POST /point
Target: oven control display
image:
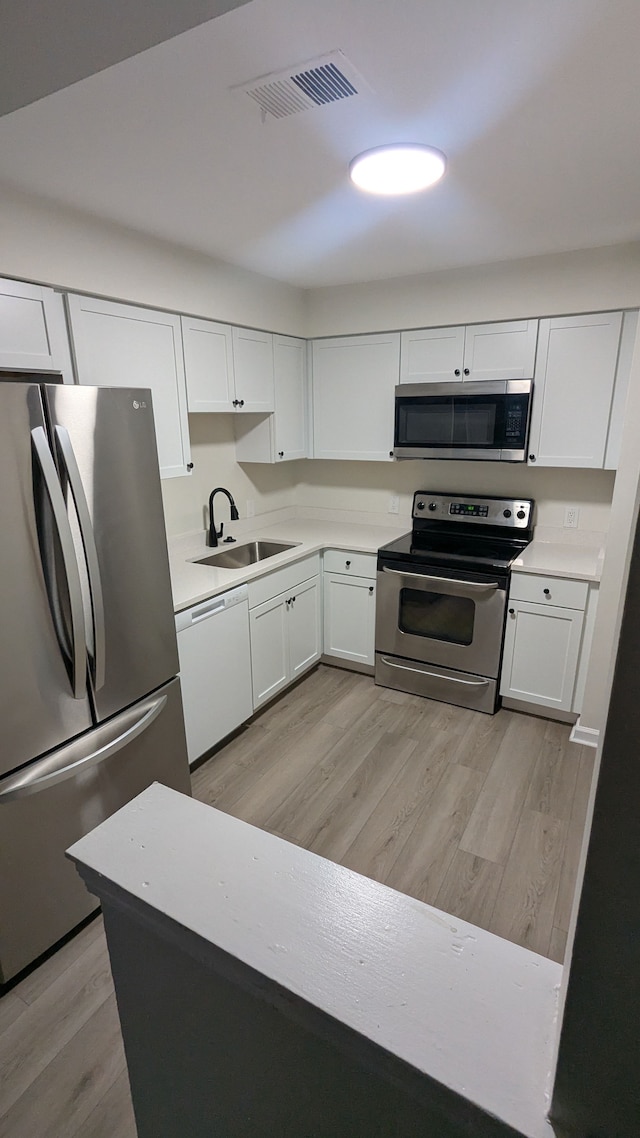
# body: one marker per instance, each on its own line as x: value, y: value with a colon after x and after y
x: 469, y: 510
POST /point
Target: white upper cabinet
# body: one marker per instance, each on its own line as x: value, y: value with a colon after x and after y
x: 621, y: 389
x: 227, y: 369
x: 282, y: 436
x: 253, y: 369
x: 208, y: 364
x: 33, y: 330
x: 573, y: 389
x: 119, y: 345
x: 431, y: 355
x: 478, y: 352
x: 353, y: 396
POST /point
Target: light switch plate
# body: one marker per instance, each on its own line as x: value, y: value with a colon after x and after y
x: 394, y: 504
x: 250, y: 508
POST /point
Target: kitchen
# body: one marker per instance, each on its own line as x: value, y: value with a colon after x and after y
x: 58, y: 246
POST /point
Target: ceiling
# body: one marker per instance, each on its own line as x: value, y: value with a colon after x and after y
x: 535, y: 103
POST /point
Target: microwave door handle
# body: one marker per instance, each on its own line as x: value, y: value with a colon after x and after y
x: 468, y: 586
x: 72, y: 573
x: 65, y: 448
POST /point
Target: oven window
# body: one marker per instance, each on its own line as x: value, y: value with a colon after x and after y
x: 436, y: 616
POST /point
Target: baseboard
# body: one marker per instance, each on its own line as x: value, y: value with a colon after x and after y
x: 588, y: 736
x: 348, y: 665
x: 539, y: 710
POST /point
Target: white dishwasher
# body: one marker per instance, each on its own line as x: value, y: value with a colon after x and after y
x: 215, y: 668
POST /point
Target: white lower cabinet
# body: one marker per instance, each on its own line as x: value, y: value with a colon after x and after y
x: 285, y: 629
x: 544, y: 644
x: 350, y: 606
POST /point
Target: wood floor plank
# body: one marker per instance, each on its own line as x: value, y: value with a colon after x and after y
x: 470, y: 889
x: 282, y: 770
x: 376, y: 847
x: 214, y: 775
x: 113, y: 1117
x: 494, y: 819
x: 303, y: 811
x: 307, y: 702
x: 553, y: 782
x: 425, y: 857
x: 575, y: 835
x: 346, y: 817
x: 11, y: 1008
x: 66, y: 1092
x: 481, y: 740
x: 525, y: 906
x: 31, y: 1043
x: 347, y: 708
x: 36, y: 983
x: 557, y: 945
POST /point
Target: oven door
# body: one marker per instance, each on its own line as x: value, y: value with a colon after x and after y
x: 447, y: 620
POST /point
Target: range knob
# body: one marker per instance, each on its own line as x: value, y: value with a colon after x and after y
x: 506, y: 513
x: 521, y: 514
x: 433, y: 505
x: 419, y: 505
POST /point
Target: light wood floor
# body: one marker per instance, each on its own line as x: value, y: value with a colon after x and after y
x: 481, y: 816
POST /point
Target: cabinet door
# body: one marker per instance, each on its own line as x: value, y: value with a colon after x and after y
x: 208, y: 363
x: 541, y: 654
x: 354, y: 379
x: 500, y: 351
x: 33, y: 333
x: 269, y: 649
x: 304, y: 627
x: 290, y: 419
x: 573, y: 389
x: 431, y: 355
x: 349, y: 617
x: 253, y: 368
x: 118, y: 345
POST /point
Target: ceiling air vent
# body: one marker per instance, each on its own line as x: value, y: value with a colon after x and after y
x: 312, y: 84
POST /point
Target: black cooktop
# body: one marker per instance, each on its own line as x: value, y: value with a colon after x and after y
x: 455, y: 551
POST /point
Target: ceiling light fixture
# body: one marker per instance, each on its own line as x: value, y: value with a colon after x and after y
x: 402, y: 168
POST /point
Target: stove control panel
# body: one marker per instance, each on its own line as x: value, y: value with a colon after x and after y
x: 511, y: 513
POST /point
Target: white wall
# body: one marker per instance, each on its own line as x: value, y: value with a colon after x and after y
x: 368, y: 486
x: 40, y: 241
x: 585, y: 281
x: 214, y: 464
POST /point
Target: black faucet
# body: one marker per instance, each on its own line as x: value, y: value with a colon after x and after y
x: 214, y: 534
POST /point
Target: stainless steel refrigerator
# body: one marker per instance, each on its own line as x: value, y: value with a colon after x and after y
x: 90, y: 706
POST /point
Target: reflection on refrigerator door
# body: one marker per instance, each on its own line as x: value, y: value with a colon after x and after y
x: 48, y: 805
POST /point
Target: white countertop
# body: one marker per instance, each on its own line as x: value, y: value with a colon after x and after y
x: 556, y: 559
x: 192, y: 583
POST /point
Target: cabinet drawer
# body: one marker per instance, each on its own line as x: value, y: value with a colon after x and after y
x: 355, y: 564
x: 558, y: 591
x: 280, y: 581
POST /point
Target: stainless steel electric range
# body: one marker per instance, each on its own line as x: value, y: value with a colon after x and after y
x: 442, y: 595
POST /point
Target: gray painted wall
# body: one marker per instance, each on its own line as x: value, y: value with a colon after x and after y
x: 597, y: 1090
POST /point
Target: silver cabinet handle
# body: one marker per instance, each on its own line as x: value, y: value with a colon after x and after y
x: 435, y: 675
x: 90, y: 551
x: 57, y: 767
x: 72, y: 573
x: 468, y: 586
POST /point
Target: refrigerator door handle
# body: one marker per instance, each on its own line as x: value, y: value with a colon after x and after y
x: 59, y: 510
x: 56, y: 767
x: 90, y: 551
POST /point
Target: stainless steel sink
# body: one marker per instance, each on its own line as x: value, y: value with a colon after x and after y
x: 239, y: 556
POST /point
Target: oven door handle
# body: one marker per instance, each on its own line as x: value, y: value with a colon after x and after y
x: 435, y: 675
x: 467, y: 586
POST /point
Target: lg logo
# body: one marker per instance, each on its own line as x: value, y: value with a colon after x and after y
x: 137, y: 404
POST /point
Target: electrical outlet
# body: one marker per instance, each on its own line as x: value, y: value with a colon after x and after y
x: 394, y: 504
x: 250, y: 508
x: 571, y: 517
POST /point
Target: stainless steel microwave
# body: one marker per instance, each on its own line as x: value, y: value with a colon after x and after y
x: 480, y: 421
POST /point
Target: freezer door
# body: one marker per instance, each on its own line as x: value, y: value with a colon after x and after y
x: 49, y: 804
x: 43, y: 693
x: 106, y: 451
